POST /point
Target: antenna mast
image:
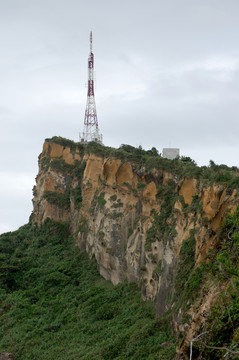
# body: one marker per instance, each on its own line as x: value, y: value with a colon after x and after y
x: 91, y: 128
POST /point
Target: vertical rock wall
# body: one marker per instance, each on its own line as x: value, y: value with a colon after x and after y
x: 118, y: 214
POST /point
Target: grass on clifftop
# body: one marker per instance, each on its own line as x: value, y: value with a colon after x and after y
x: 151, y: 159
x: 54, y: 304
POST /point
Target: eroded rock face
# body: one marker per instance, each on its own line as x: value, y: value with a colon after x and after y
x: 114, y: 221
x: 116, y: 209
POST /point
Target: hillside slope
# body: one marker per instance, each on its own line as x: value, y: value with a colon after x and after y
x: 146, y: 219
x: 167, y: 226
x: 55, y: 305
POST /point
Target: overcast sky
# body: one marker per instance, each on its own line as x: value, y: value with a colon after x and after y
x: 167, y: 75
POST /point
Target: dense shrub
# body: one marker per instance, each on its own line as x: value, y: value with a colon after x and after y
x: 160, y: 229
x: 151, y: 159
x: 54, y: 304
x: 186, y: 262
x: 62, y: 200
x: 223, y: 323
x: 101, y: 201
x: 63, y: 141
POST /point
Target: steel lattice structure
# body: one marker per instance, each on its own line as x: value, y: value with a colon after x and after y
x: 91, y: 127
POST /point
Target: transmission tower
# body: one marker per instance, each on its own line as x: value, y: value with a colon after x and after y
x: 91, y: 128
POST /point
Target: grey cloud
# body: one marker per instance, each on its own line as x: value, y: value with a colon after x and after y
x: 166, y: 71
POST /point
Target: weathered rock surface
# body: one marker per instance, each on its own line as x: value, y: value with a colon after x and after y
x: 117, y: 206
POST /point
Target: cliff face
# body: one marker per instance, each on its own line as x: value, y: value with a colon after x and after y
x: 134, y: 221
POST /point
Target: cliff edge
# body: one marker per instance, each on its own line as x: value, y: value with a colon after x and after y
x: 146, y: 219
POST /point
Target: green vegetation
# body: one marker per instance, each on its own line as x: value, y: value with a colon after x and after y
x: 78, y: 171
x: 117, y: 204
x: 124, y: 153
x: 150, y: 159
x: 223, y: 323
x: 101, y: 201
x: 185, y: 266
x: 101, y: 235
x: 130, y: 231
x: 60, y: 199
x: 195, y: 207
x: 141, y: 186
x: 116, y: 215
x: 221, y: 268
x: 45, y: 163
x: 73, y: 170
x: 127, y: 185
x: 59, y: 164
x: 166, y: 191
x: 54, y: 304
x: 83, y: 225
x: 93, y: 203
x: 76, y: 193
x: 160, y: 228
x: 158, y: 268
x: 66, y: 143
x: 113, y: 197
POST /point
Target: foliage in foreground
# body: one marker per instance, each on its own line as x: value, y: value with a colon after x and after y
x: 219, y: 337
x: 54, y: 304
x: 222, y: 338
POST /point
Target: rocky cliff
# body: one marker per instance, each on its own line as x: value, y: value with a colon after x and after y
x: 146, y: 220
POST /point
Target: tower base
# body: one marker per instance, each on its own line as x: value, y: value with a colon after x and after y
x: 91, y: 134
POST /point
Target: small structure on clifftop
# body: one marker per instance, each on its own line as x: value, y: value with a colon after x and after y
x: 170, y: 153
x: 91, y: 128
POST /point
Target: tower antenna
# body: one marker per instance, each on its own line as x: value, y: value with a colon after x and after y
x: 91, y: 127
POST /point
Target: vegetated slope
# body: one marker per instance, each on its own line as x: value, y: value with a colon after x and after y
x: 163, y: 224
x: 155, y: 222
x: 55, y: 305
x: 217, y: 280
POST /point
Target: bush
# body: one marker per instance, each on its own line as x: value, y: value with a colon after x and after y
x: 113, y: 197
x: 61, y: 308
x: 83, y: 226
x: 79, y: 167
x: 62, y: 141
x: 101, y: 200
x: 76, y: 193
x: 45, y: 163
x: 61, y: 200
x: 186, y: 262
x: 160, y: 229
x: 60, y: 165
x: 141, y: 186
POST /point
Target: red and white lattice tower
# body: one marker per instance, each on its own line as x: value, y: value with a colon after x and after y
x: 91, y: 127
